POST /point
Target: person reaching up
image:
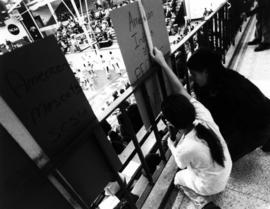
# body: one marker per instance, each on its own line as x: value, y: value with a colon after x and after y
x: 201, y: 154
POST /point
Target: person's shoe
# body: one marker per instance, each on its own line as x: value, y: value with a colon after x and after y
x: 253, y: 42
x: 211, y: 205
x: 262, y: 46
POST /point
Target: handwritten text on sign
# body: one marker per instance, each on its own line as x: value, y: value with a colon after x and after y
x: 43, y: 92
x: 127, y: 23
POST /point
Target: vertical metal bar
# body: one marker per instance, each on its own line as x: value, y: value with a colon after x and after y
x: 137, y: 147
x: 100, y: 134
x: 225, y: 20
x: 218, y: 31
x: 52, y: 12
x: 123, y: 185
x: 215, y: 28
x: 152, y: 120
x: 31, y: 16
x: 221, y: 28
x: 173, y: 63
x: 192, y: 45
x: 230, y: 25
x: 27, y: 31
x: 211, y: 29
x: 184, y: 54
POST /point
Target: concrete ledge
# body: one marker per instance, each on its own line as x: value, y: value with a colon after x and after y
x: 162, y: 186
x: 232, y: 53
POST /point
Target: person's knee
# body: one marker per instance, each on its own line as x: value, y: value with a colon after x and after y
x: 178, y: 179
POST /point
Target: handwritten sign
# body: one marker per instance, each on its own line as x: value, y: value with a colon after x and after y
x: 127, y: 23
x: 39, y: 86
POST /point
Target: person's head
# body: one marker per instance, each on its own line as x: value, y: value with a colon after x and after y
x: 204, y: 65
x: 120, y: 119
x: 114, y: 136
x: 115, y: 95
x: 178, y: 111
x: 122, y: 91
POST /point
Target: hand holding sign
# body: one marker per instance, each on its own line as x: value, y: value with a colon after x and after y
x: 158, y: 56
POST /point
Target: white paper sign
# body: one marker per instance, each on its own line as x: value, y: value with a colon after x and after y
x: 127, y: 23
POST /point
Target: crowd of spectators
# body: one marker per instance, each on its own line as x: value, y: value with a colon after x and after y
x: 99, y: 25
x: 70, y: 35
x: 67, y: 35
x: 174, y: 15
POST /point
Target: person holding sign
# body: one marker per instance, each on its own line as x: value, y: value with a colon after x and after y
x: 201, y: 154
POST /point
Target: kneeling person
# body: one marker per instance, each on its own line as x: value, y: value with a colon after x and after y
x: 201, y: 153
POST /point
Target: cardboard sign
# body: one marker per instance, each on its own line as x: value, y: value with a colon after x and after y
x: 39, y: 86
x: 127, y: 23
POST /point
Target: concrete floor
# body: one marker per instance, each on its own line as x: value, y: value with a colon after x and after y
x: 249, y: 185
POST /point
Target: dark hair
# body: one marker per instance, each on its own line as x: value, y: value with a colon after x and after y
x: 122, y: 91
x: 213, y: 143
x: 205, y: 58
x: 114, y: 136
x: 121, y: 119
x: 178, y: 110
x: 115, y: 95
x: 105, y: 126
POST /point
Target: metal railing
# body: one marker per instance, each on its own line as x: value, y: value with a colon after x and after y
x: 217, y: 31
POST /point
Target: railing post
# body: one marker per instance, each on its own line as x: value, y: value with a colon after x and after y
x: 99, y: 133
x: 191, y: 43
x: 137, y: 147
x: 152, y: 120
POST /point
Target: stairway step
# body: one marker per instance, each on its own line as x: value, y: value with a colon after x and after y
x: 159, y: 192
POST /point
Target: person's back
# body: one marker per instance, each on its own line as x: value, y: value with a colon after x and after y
x: 210, y: 177
x: 235, y: 102
x: 238, y: 107
x: 203, y: 174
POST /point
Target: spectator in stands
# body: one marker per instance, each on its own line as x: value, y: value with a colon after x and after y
x: 124, y: 128
x: 114, y: 63
x: 124, y: 105
x: 116, y: 141
x: 202, y: 152
x: 115, y: 95
x: 262, y: 33
x: 105, y: 126
x: 135, y: 117
x: 121, y: 91
x: 105, y: 67
x: 127, y: 85
x: 152, y: 160
x: 238, y: 107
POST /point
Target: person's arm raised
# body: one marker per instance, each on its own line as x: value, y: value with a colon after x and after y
x: 176, y: 85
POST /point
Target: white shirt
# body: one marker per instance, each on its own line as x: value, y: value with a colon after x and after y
x: 202, y: 174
